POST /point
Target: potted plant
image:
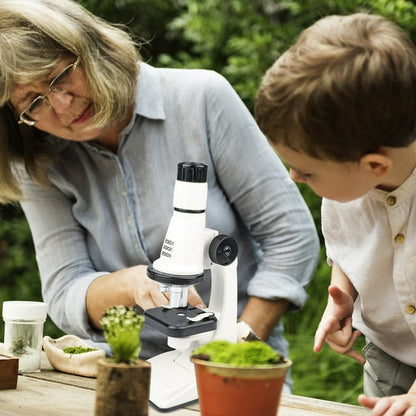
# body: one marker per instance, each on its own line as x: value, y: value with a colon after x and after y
x: 123, y: 380
x: 241, y: 379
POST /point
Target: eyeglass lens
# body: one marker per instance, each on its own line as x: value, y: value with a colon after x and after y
x: 38, y: 107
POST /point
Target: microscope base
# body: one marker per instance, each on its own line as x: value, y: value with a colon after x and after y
x: 173, y: 382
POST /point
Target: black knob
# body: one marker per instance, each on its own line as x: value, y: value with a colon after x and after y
x: 223, y: 250
x: 192, y: 172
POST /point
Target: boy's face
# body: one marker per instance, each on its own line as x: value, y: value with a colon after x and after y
x: 340, y: 181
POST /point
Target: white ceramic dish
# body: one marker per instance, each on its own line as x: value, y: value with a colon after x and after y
x: 84, y: 364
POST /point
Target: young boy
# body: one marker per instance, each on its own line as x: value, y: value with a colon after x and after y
x: 340, y: 108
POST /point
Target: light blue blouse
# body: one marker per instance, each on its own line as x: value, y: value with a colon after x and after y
x: 109, y: 211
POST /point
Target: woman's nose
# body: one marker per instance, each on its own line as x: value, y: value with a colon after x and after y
x: 60, y: 101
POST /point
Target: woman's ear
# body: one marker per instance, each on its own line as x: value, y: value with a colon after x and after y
x: 377, y: 164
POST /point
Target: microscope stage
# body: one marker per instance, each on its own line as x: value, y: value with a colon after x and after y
x: 180, y: 322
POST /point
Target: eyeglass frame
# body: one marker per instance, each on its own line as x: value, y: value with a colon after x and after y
x: 23, y: 119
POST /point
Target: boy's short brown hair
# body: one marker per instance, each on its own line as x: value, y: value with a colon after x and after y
x: 344, y: 89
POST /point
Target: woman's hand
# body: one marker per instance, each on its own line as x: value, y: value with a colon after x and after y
x: 147, y: 292
x: 129, y: 287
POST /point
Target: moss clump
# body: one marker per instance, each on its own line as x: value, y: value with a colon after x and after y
x: 245, y: 354
x: 78, y: 350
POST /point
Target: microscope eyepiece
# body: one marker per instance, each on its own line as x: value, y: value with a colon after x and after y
x: 192, y: 172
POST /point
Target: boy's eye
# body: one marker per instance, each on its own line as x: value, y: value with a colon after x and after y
x: 297, y: 175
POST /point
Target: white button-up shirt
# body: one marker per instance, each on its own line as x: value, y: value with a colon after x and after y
x: 373, y: 240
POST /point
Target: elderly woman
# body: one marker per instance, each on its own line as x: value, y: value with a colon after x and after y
x: 90, y: 142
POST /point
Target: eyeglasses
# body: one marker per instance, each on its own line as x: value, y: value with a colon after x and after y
x: 39, y: 107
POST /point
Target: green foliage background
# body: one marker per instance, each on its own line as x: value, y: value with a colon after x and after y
x: 240, y: 39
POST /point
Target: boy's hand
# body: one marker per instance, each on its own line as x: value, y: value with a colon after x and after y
x: 402, y: 405
x: 336, y: 325
x: 340, y: 338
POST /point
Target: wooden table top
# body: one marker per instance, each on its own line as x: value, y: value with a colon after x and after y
x: 53, y: 393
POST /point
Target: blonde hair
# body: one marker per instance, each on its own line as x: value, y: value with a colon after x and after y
x: 34, y: 36
x: 344, y: 89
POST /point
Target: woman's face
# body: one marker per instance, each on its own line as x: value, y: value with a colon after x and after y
x: 68, y: 110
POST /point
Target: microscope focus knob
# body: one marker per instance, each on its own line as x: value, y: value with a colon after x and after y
x: 223, y: 250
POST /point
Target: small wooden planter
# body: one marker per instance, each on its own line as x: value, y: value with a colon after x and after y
x: 9, y: 368
x: 122, y: 389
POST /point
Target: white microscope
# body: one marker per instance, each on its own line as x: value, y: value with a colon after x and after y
x: 188, y: 249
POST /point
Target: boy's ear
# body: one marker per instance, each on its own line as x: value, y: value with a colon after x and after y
x: 376, y: 163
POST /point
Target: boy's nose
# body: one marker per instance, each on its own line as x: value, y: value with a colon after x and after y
x: 295, y: 176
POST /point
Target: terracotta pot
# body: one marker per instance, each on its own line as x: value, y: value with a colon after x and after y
x: 122, y: 389
x: 225, y: 390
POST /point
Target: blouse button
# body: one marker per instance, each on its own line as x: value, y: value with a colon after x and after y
x: 399, y: 238
x: 391, y: 200
x: 410, y: 309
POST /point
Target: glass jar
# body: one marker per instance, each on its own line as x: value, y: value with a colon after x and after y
x: 23, y: 332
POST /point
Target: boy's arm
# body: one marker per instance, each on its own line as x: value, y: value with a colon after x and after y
x: 341, y: 280
x: 404, y: 404
x: 335, y: 327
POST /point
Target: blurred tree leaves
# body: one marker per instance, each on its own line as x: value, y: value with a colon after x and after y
x: 19, y: 276
x: 18, y: 270
x: 240, y: 39
x: 146, y: 20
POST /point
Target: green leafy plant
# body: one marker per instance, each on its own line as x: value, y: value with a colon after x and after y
x: 78, y: 350
x: 122, y: 327
x: 244, y: 354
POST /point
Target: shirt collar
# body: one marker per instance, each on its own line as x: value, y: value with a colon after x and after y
x: 149, y: 98
x: 406, y: 191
